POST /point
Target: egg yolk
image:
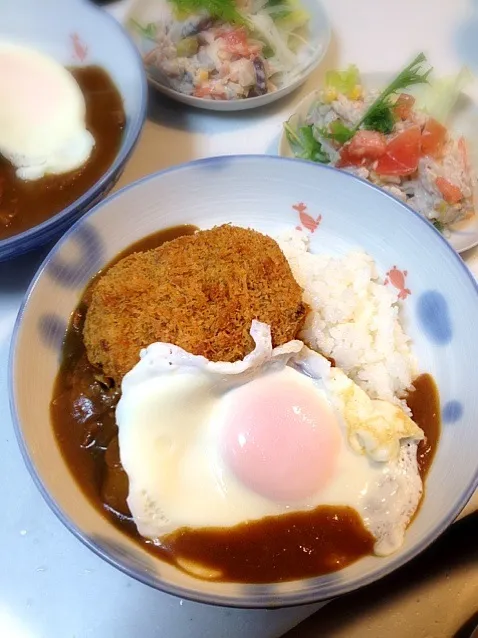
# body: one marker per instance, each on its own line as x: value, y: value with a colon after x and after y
x: 281, y: 438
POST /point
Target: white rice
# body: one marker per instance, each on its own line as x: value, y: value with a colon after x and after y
x: 354, y: 318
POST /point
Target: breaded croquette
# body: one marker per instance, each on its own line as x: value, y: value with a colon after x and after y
x: 200, y: 292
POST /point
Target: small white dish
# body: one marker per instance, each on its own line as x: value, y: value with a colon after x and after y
x: 145, y: 11
x: 463, y: 235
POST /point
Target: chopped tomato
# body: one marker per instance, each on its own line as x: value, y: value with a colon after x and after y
x: 367, y: 144
x: 235, y: 37
x: 364, y: 145
x: 346, y: 159
x: 403, y: 106
x: 402, y: 153
x: 433, y: 138
x: 214, y: 92
x: 236, y: 43
x: 451, y: 193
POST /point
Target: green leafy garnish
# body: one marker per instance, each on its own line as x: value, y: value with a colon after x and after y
x: 337, y: 132
x: 379, y: 116
x: 304, y: 145
x: 381, y: 119
x: 438, y: 225
x: 224, y: 10
x: 343, y: 81
x: 147, y: 31
x: 380, y: 111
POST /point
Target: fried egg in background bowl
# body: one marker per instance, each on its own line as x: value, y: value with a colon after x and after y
x: 441, y: 298
x: 43, y: 119
x: 72, y: 34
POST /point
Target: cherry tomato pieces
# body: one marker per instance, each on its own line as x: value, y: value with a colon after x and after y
x: 433, y: 138
x: 235, y: 43
x: 367, y: 144
x: 235, y: 37
x: 451, y: 193
x: 403, y: 106
x: 209, y: 90
x: 402, y: 153
x: 346, y: 159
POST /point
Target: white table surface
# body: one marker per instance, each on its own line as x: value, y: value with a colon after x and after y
x: 50, y: 584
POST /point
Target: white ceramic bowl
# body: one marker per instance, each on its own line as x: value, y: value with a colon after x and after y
x: 464, y: 121
x: 144, y: 12
x: 261, y: 192
x: 77, y: 33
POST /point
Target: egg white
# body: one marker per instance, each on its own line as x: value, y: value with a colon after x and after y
x: 42, y: 114
x: 170, y: 416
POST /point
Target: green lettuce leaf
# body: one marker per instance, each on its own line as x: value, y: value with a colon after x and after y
x: 343, y: 81
x: 303, y: 143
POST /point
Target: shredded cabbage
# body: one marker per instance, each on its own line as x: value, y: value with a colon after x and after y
x: 277, y: 24
x: 264, y: 26
x: 295, y: 18
x: 439, y: 97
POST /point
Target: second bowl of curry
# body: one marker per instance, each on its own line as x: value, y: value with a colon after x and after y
x: 108, y: 71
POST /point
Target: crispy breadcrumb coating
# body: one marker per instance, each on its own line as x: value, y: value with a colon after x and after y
x: 200, y: 292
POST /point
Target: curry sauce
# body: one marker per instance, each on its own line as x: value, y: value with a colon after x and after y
x: 424, y: 404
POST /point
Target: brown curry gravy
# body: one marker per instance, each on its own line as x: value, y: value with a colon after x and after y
x: 24, y: 204
x: 273, y: 549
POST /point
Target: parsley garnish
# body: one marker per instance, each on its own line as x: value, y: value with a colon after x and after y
x: 304, y: 145
x: 224, y: 10
x: 380, y: 111
x: 438, y: 225
x: 381, y: 119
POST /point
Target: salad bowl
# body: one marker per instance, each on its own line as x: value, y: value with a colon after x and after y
x: 309, y: 46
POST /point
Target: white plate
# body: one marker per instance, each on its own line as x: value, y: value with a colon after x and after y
x: 463, y: 235
x: 145, y: 11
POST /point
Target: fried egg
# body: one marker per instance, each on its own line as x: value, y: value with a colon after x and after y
x: 42, y: 114
x: 208, y: 444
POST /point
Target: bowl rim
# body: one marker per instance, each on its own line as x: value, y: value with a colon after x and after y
x: 130, y: 140
x: 269, y: 600
x: 257, y: 101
